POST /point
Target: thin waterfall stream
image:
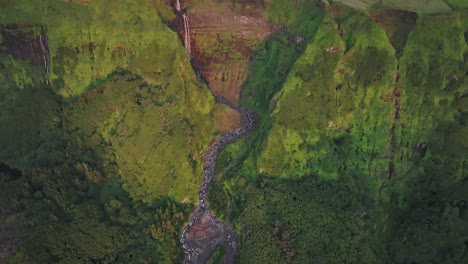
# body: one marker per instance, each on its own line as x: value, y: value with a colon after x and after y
x: 204, y: 232
x: 187, y: 34
x: 183, y: 17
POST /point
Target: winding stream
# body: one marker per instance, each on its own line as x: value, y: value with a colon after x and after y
x: 204, y: 233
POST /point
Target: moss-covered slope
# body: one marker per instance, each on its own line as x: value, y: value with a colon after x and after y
x: 105, y: 121
x: 369, y: 122
x: 157, y: 122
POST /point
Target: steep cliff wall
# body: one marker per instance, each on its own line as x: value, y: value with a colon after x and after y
x: 101, y: 111
x: 363, y: 122
x: 224, y: 38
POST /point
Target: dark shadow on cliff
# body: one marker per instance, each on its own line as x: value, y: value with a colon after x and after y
x: 268, y: 70
x: 62, y: 198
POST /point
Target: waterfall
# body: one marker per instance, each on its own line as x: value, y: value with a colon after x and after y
x: 186, y: 26
x: 43, y: 42
x: 187, y: 34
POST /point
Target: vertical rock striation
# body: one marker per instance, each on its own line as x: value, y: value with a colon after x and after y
x: 221, y: 38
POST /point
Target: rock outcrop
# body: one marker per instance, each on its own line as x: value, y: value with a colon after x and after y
x: 224, y: 36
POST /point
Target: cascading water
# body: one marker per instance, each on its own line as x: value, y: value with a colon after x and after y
x: 185, y: 20
x: 204, y: 232
x: 187, y: 34
x: 43, y: 41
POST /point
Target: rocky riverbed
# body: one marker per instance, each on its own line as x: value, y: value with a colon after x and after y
x: 205, y: 232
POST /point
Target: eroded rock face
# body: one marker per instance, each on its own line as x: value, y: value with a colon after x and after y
x: 397, y: 24
x: 26, y: 45
x: 224, y: 36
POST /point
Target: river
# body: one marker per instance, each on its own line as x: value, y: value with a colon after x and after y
x: 204, y: 232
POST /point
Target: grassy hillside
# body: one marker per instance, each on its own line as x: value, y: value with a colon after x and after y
x: 163, y: 104
x: 359, y: 155
x: 365, y: 124
x: 107, y: 136
x: 329, y: 93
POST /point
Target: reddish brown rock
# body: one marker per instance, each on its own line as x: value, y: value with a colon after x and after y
x: 397, y: 24
x: 22, y: 43
x: 223, y: 38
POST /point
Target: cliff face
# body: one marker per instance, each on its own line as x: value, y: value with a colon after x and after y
x: 363, y: 114
x: 25, y: 45
x: 224, y: 36
x: 107, y: 46
x: 376, y: 101
x: 99, y: 110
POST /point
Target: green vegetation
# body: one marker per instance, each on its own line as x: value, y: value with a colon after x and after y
x: 67, y: 202
x: 330, y: 93
x: 397, y: 25
x: 72, y: 220
x: 108, y: 138
x: 269, y: 68
x: 216, y: 257
x: 420, y: 6
x: 359, y: 156
x: 144, y: 134
x: 432, y: 139
x: 296, y: 221
x: 88, y: 41
x: 144, y: 120
x: 458, y: 3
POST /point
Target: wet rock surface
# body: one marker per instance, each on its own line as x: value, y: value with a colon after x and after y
x: 204, y: 232
x: 219, y: 41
